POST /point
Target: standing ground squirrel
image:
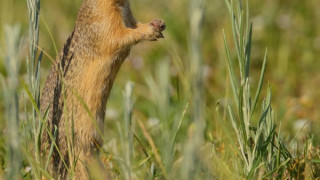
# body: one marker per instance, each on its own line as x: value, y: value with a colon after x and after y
x: 84, y: 72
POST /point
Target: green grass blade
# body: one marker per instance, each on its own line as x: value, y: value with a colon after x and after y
x: 260, y: 83
x: 231, y: 71
x: 51, y: 149
x: 241, y: 117
x: 237, y: 45
x: 248, y: 52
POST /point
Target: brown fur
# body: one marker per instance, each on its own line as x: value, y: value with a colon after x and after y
x: 86, y: 67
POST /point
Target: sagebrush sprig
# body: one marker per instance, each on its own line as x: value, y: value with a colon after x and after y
x: 259, y: 144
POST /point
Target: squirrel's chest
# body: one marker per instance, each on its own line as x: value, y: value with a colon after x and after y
x: 97, y: 80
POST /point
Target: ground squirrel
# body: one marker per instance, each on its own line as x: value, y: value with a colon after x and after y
x: 84, y: 72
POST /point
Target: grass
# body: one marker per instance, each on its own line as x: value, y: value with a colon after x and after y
x: 200, y: 104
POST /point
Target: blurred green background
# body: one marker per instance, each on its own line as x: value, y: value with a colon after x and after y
x: 289, y: 29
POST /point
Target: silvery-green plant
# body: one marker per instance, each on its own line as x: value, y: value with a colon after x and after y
x: 127, y: 142
x: 259, y: 144
x: 10, y: 87
x: 169, y: 121
x: 33, y: 60
x: 33, y: 71
x: 191, y: 167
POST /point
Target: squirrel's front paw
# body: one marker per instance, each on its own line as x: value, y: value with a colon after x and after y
x: 158, y: 24
x: 157, y: 27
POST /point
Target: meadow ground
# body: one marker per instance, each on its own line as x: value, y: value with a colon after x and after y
x: 187, y: 120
